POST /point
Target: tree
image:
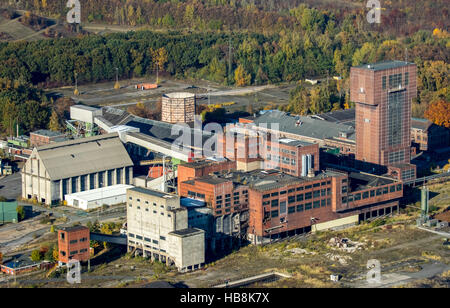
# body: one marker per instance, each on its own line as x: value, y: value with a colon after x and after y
x: 55, y: 254
x: 21, y: 212
x: 241, y: 77
x: 439, y: 113
x: 54, y: 122
x: 36, y: 255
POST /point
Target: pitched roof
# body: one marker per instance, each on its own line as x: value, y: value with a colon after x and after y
x: 83, y: 156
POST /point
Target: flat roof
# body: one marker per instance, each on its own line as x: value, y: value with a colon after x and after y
x: 152, y: 192
x: 294, y: 143
x: 306, y: 126
x: 101, y: 193
x: 192, y: 203
x: 385, y: 65
x: 187, y: 232
x: 47, y: 133
x: 74, y: 228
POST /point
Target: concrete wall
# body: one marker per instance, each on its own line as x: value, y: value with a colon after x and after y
x: 188, y: 252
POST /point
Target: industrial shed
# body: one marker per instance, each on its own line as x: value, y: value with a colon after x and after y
x: 55, y: 170
x: 91, y: 199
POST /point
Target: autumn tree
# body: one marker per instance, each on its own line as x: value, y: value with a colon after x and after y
x: 439, y: 113
x: 241, y: 77
x: 54, y: 122
x: 160, y: 57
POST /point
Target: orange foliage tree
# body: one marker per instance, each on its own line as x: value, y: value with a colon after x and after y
x: 439, y: 113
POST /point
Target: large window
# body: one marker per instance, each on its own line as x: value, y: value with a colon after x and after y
x: 396, y: 102
x: 395, y: 80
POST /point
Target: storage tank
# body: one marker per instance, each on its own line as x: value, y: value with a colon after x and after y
x: 178, y: 107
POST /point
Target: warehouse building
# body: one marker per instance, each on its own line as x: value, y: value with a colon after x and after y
x: 63, y: 168
x: 95, y: 198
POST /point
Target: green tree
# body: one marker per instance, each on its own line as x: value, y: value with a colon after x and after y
x: 36, y: 255
x: 21, y: 212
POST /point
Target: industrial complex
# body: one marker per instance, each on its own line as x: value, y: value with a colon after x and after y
x: 273, y: 175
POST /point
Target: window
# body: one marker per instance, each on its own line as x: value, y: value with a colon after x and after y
x: 291, y: 210
x: 308, y: 196
x: 379, y: 192
x: 274, y: 194
x: 291, y: 199
x: 308, y: 206
x: 406, y: 78
x: 323, y: 203
x: 274, y: 214
x: 266, y: 196
x: 300, y: 208
x: 283, y: 192
x: 162, y: 238
x: 399, y: 187
x: 299, y: 188
x: 274, y: 202
x: 365, y: 195
x: 392, y: 189
x: 344, y: 189
x: 316, y: 194
x: 385, y: 190
x: 300, y: 197
x: 138, y: 237
x: 384, y: 82
x: 283, y: 207
x: 316, y: 204
x: 73, y: 241
x: 372, y: 193
x: 357, y: 197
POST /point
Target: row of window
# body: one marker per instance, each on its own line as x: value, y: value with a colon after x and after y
x: 372, y: 193
x: 302, y: 207
x: 148, y: 210
x: 72, y: 253
x: 146, y: 239
x: 292, y: 190
x: 82, y: 240
x: 395, y: 80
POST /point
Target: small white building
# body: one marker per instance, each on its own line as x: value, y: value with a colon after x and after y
x: 91, y: 199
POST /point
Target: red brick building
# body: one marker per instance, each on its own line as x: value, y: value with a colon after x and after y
x: 252, y: 150
x: 383, y: 93
x: 73, y: 244
x: 282, y: 205
x: 44, y: 136
x: 201, y: 168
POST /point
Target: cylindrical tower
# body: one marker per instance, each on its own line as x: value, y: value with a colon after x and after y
x: 178, y: 107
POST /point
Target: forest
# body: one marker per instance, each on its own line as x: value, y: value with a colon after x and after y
x: 303, y: 42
